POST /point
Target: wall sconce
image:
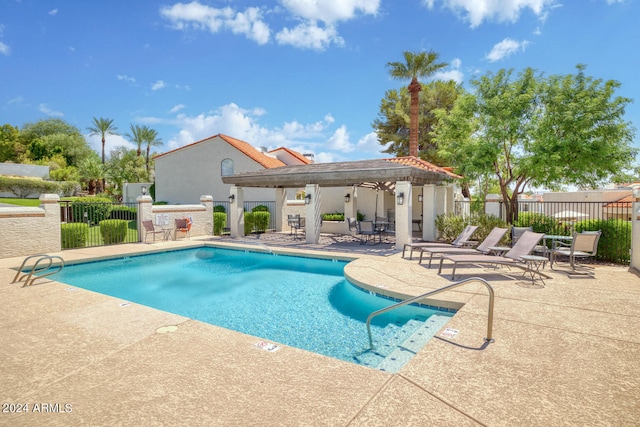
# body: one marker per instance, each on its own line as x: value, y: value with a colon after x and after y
x: 232, y: 198
x: 420, y: 198
x: 400, y: 198
x: 307, y: 199
x: 144, y: 190
x: 347, y: 198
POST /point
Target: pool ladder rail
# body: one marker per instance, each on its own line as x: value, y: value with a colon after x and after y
x: 488, y: 339
x: 42, y: 263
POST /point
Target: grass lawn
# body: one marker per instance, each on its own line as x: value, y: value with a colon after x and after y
x: 20, y: 202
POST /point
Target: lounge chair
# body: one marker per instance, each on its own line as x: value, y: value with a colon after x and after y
x: 484, y: 248
x: 149, y: 228
x: 583, y: 245
x: 183, y: 225
x: 461, y: 241
x: 523, y: 247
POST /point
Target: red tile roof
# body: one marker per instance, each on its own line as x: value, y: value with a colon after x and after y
x: 423, y: 164
x: 303, y: 159
x: 249, y: 150
x: 625, y: 202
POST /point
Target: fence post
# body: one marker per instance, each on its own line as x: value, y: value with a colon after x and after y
x: 144, y: 213
x: 207, y: 201
x: 635, y: 231
x: 50, y: 203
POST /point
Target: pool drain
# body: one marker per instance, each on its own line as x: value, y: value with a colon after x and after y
x: 166, y: 329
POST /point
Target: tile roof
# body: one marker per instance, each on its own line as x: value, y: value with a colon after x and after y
x: 625, y: 202
x: 247, y: 149
x: 423, y: 164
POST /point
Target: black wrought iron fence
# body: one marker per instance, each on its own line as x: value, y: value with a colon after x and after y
x: 87, y: 224
x: 565, y: 218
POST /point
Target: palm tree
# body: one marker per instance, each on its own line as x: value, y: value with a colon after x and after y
x: 102, y: 127
x: 152, y: 140
x: 137, y: 136
x: 416, y: 65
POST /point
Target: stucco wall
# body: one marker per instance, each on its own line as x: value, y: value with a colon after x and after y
x: 28, y: 230
x: 182, y: 176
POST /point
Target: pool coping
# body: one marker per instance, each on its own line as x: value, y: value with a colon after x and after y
x: 545, y: 349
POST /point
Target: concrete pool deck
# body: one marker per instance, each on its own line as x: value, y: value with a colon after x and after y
x: 566, y: 353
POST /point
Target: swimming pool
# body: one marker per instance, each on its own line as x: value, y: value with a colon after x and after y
x: 297, y: 301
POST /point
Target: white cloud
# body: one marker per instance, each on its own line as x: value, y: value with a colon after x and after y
x: 330, y: 11
x: 478, y: 11
x: 505, y: 48
x: 53, y: 12
x: 126, y: 78
x: 158, y: 85
x: 44, y: 108
x: 197, y: 16
x: 309, y: 36
x: 177, y: 108
x: 4, y: 49
x: 452, y: 73
x: 339, y: 141
x: 369, y: 144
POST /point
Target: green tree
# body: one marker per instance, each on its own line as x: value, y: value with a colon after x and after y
x: 392, y: 124
x: 103, y: 127
x: 137, y: 136
x: 57, y: 136
x: 532, y: 130
x: 415, y: 65
x: 11, y: 148
x: 91, y: 171
x: 125, y: 166
x: 152, y: 140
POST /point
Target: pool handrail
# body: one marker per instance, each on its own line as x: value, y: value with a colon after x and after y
x: 488, y: 338
x: 37, y: 268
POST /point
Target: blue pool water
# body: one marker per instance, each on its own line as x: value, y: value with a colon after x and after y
x: 300, y: 302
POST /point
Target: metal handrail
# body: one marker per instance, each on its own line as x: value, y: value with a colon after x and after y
x: 37, y: 268
x: 437, y: 291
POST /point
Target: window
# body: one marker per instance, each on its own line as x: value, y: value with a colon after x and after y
x: 227, y: 167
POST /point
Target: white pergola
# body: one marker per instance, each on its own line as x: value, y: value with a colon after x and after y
x: 437, y: 191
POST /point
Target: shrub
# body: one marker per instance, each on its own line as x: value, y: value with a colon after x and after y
x: 261, y: 221
x: 74, y: 235
x: 541, y: 223
x: 248, y: 222
x: 123, y: 212
x: 615, y: 242
x: 219, y: 222
x: 449, y: 226
x: 260, y: 208
x: 23, y: 187
x: 113, y: 230
x: 97, y: 209
x: 333, y: 217
x: 219, y: 208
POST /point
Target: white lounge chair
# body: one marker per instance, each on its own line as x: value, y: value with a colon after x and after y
x: 461, y: 241
x: 484, y: 248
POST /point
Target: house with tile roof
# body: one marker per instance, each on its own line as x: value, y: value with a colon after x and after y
x: 188, y: 172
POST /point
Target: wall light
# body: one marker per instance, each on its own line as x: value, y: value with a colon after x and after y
x: 400, y: 198
x: 307, y: 199
x: 232, y: 198
x: 144, y: 190
x: 420, y: 198
x: 347, y: 198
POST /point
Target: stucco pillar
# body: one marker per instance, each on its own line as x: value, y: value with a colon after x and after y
x: 635, y: 231
x: 403, y: 214
x: 449, y: 205
x: 350, y: 207
x: 429, y: 212
x: 145, y: 213
x: 236, y: 210
x: 312, y: 213
x: 50, y: 203
x: 281, y: 203
x: 207, y: 201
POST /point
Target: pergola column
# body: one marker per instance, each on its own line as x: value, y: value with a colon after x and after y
x: 403, y: 213
x: 312, y: 212
x: 429, y: 212
x: 281, y: 202
x: 236, y: 210
x: 351, y: 207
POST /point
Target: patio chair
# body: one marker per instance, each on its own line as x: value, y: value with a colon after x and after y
x: 368, y: 231
x: 516, y: 232
x: 484, y: 248
x: 513, y: 257
x: 583, y: 245
x: 149, y: 228
x: 183, y: 225
x: 461, y: 241
x: 295, y: 223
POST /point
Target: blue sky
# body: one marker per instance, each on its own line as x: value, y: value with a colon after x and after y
x: 304, y: 74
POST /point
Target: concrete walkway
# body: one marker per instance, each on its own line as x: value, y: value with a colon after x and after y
x: 564, y: 354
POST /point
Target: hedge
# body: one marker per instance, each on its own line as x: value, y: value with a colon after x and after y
x: 97, y: 209
x: 74, y: 235
x: 219, y: 222
x: 261, y: 220
x: 449, y: 226
x: 113, y: 230
x: 23, y: 187
x: 123, y: 212
x: 248, y: 222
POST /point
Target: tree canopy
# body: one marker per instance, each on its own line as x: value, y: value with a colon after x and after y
x: 534, y: 130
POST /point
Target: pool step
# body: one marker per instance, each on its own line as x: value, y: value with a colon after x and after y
x: 395, y: 345
x: 403, y: 352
